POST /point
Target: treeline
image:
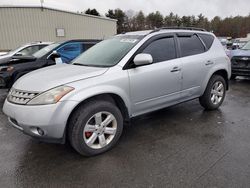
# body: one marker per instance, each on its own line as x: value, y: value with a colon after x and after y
x: 234, y: 27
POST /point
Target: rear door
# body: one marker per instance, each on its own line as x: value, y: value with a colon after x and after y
x: 195, y: 64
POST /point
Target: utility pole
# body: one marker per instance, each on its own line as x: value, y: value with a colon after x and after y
x: 42, y: 1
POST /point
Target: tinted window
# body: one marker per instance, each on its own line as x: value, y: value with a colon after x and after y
x: 190, y: 45
x: 161, y: 50
x: 207, y: 39
x: 70, y: 51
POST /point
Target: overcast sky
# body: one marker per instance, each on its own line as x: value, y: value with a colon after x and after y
x: 209, y: 8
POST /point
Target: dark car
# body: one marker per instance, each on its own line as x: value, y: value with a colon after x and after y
x: 240, y: 61
x: 60, y: 52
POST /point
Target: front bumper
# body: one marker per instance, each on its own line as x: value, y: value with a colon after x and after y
x: 241, y: 71
x: 50, y: 120
x: 240, y: 65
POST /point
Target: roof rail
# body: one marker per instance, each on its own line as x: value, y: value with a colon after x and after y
x: 181, y: 28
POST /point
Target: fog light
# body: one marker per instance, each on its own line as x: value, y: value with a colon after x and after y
x: 40, y: 131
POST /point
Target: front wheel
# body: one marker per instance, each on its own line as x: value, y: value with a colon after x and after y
x: 95, y: 127
x: 214, y: 94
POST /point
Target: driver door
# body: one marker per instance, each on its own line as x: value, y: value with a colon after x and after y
x: 156, y: 85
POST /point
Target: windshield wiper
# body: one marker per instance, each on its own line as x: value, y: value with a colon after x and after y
x: 78, y: 64
x: 89, y: 65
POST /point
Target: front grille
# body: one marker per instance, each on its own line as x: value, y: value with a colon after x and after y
x: 241, y: 61
x: 21, y: 97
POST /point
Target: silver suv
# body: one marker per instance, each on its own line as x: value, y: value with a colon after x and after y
x: 88, y: 101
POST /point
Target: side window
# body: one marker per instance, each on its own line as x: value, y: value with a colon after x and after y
x: 190, y: 45
x: 161, y: 49
x: 207, y: 39
x: 28, y: 51
x: 69, y: 52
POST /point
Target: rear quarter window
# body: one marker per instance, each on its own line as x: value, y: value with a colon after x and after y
x: 207, y: 39
x: 190, y: 45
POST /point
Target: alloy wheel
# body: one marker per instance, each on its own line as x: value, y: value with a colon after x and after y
x: 100, y: 130
x: 217, y: 92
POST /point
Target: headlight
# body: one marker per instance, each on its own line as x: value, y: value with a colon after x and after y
x: 51, y: 96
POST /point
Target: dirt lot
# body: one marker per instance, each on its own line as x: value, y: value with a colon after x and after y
x: 181, y: 146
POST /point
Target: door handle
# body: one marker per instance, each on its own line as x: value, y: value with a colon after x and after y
x: 176, y: 69
x: 209, y: 63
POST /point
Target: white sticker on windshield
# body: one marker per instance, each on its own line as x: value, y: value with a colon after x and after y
x: 129, y: 40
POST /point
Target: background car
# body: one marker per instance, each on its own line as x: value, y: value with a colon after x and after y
x: 240, y: 61
x: 24, y: 50
x: 3, y: 52
x: 237, y: 44
x: 60, y: 52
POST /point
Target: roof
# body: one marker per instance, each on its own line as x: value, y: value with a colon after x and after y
x: 81, y: 40
x: 144, y: 32
x: 59, y: 10
x: 38, y: 42
x: 165, y: 30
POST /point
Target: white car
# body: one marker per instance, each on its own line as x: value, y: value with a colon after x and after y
x: 89, y: 100
x: 24, y: 50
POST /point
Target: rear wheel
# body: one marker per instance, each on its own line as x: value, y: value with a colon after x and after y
x: 214, y: 94
x: 95, y: 127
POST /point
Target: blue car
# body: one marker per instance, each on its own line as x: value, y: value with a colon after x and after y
x: 240, y: 61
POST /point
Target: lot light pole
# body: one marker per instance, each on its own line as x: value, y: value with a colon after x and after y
x: 42, y: 1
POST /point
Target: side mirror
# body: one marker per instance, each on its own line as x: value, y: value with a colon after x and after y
x: 143, y: 59
x: 54, y: 55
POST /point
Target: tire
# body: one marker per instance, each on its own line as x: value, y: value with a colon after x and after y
x: 83, y: 127
x: 233, y: 77
x: 213, y: 98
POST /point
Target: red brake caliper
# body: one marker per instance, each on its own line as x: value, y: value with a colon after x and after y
x: 88, y: 134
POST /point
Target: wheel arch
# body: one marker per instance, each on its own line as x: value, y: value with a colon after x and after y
x: 222, y: 72
x: 112, y: 97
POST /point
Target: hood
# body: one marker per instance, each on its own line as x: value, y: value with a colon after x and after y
x: 239, y: 52
x: 11, y: 60
x: 53, y: 76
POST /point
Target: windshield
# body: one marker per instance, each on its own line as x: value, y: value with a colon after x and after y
x: 16, y: 50
x: 45, y: 50
x: 108, y: 52
x: 247, y: 46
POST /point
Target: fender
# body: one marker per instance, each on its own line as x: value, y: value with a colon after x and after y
x: 215, y: 68
x: 87, y: 93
